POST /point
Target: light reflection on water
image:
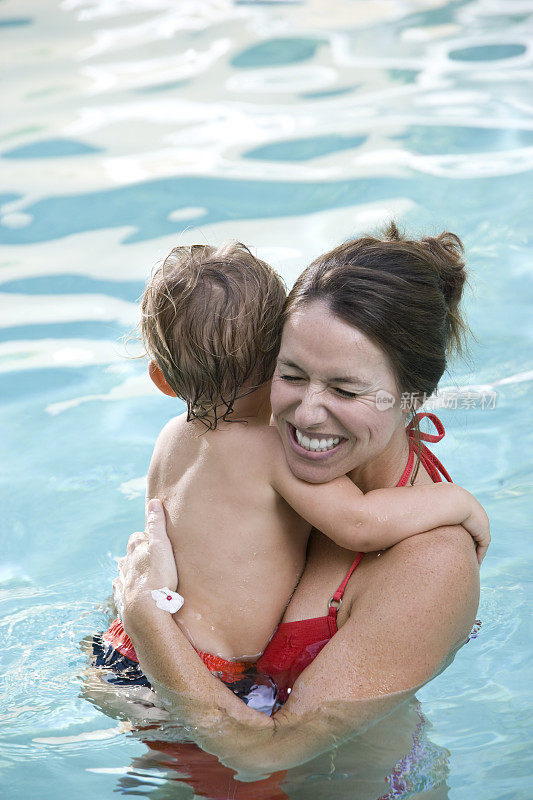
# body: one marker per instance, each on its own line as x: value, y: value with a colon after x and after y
x: 289, y: 126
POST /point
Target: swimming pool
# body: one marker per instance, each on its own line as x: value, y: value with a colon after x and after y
x: 290, y: 126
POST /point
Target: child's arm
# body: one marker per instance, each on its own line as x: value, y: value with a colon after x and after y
x: 382, y: 517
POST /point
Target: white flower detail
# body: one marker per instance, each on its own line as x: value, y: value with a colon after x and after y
x: 167, y: 600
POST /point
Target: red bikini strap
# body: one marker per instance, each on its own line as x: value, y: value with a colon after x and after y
x: 427, y: 437
x: 427, y: 458
x: 408, y: 467
x: 337, y: 597
x: 433, y: 466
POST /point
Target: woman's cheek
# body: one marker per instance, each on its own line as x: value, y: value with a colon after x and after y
x: 367, y: 417
x: 384, y: 424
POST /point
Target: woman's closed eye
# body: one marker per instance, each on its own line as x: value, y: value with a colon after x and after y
x: 336, y: 389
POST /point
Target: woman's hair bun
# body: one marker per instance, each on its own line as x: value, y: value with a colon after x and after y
x: 444, y: 256
x: 446, y: 253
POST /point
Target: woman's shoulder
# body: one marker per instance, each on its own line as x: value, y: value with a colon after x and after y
x: 433, y: 572
x: 441, y: 548
x: 439, y: 558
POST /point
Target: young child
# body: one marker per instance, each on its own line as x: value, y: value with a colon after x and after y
x: 238, y: 519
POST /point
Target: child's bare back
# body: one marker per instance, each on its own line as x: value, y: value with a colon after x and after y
x: 239, y: 546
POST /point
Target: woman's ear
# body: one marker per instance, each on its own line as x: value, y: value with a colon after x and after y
x: 159, y: 379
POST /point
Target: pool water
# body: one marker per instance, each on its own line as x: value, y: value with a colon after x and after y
x: 132, y: 125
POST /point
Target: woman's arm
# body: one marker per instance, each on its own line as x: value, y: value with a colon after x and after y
x: 418, y: 609
x: 382, y: 517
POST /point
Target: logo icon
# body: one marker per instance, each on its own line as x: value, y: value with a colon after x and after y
x: 384, y: 400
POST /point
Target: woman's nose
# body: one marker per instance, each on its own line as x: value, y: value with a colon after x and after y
x: 311, y: 411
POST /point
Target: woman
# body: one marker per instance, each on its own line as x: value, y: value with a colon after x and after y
x: 367, y: 326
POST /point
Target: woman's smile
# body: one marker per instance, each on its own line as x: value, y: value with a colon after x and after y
x: 311, y: 444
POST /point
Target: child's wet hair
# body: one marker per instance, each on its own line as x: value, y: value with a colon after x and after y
x: 212, y: 319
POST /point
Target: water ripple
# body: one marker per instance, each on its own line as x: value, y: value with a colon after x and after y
x: 137, y: 124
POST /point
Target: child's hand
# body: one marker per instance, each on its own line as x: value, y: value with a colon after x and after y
x: 148, y: 564
x: 477, y: 525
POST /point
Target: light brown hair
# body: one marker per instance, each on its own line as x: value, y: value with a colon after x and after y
x: 403, y: 294
x: 211, y: 319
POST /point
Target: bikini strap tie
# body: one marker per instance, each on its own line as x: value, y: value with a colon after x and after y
x: 427, y: 458
x: 427, y: 437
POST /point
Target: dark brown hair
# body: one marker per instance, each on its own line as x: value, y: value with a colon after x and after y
x: 211, y: 319
x: 403, y: 294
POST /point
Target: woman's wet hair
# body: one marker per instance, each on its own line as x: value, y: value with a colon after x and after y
x: 212, y: 320
x: 404, y: 294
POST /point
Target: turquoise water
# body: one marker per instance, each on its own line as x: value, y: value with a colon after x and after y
x: 133, y: 125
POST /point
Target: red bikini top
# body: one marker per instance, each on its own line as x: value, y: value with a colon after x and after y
x: 295, y: 644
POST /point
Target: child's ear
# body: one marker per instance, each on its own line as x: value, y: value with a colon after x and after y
x: 159, y: 379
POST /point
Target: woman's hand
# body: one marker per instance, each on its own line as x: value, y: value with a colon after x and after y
x: 148, y: 564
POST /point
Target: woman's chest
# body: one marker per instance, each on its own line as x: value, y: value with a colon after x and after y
x: 326, y: 568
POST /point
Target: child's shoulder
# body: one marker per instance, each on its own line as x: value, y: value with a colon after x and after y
x: 171, y: 438
x: 175, y: 429
x: 260, y: 440
x: 176, y: 426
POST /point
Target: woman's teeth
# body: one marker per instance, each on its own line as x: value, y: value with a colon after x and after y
x: 316, y: 445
